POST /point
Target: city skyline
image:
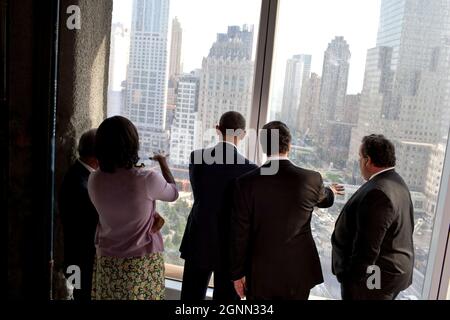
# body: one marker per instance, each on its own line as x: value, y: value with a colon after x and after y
x: 221, y: 14
x: 405, y: 91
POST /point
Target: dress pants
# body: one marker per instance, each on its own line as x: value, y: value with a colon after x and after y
x: 353, y: 291
x: 196, y: 280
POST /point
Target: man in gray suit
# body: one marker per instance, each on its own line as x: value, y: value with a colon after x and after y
x: 375, y: 229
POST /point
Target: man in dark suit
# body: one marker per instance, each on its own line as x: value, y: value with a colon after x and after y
x: 273, y: 253
x: 375, y: 228
x: 205, y: 244
x: 78, y: 215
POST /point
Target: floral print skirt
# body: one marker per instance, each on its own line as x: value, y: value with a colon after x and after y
x: 140, y: 278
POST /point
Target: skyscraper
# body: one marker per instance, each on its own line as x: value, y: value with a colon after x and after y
x: 339, y: 132
x: 376, y: 92
x: 333, y: 90
x: 147, y: 76
x: 407, y: 77
x: 352, y: 105
x: 174, y: 69
x: 120, y: 39
x: 226, y: 80
x: 175, y: 49
x: 185, y: 124
x: 389, y: 34
x: 309, y: 106
x: 298, y: 69
x: 334, y: 80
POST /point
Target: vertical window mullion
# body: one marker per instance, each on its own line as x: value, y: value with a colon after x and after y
x: 262, y: 74
x: 436, y: 276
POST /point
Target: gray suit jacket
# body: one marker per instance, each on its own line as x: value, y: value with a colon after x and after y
x: 376, y: 227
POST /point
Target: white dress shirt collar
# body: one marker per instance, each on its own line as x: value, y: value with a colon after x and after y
x: 387, y: 169
x: 277, y: 157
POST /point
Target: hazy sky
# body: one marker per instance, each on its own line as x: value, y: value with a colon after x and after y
x: 304, y: 26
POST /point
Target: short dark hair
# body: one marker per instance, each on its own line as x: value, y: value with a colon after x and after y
x: 231, y: 120
x: 284, y: 135
x: 117, y: 144
x: 86, y: 144
x: 380, y: 150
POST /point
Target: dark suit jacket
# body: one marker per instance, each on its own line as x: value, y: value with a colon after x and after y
x: 79, y: 220
x: 272, y: 243
x: 376, y: 227
x: 206, y: 238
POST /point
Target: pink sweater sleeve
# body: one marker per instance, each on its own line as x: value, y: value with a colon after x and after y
x: 158, y: 188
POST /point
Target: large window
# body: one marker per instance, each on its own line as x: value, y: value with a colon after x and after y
x: 345, y: 69
x: 175, y: 67
x: 333, y: 70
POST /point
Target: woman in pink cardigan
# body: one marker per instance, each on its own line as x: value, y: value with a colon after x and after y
x: 129, y: 259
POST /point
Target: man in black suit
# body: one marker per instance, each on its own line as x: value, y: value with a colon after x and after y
x: 78, y: 215
x: 273, y: 253
x: 205, y: 244
x: 375, y: 228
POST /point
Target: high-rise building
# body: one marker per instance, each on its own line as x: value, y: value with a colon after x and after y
x: 339, y: 132
x: 175, y: 49
x: 352, y: 105
x: 334, y: 80
x: 390, y: 27
x: 406, y: 87
x: 333, y: 91
x: 147, y: 76
x: 185, y: 124
x: 226, y: 80
x: 413, y: 159
x: 120, y: 40
x: 175, y: 69
x: 375, y: 93
x: 308, y: 112
x: 433, y: 177
x: 298, y: 69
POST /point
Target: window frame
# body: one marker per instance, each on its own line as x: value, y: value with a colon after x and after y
x: 437, y: 275
x: 262, y: 74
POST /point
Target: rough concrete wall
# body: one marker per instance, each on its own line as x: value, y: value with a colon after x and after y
x: 83, y: 83
x: 83, y: 76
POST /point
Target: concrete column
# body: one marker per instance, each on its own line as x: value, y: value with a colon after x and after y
x: 83, y: 85
x: 83, y: 75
